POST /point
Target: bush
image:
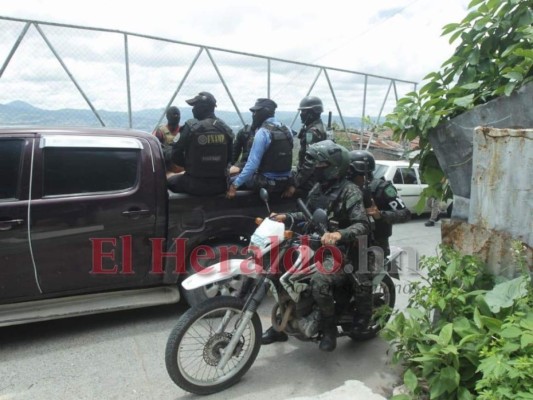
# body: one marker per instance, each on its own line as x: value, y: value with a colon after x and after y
x: 464, y: 336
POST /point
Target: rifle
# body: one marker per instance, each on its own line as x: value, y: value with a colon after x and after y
x: 329, y: 131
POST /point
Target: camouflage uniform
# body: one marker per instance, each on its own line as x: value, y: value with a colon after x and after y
x: 309, y: 134
x: 343, y: 202
x: 242, y: 145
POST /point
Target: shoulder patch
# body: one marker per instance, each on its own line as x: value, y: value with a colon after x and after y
x: 309, y: 137
x: 390, y: 191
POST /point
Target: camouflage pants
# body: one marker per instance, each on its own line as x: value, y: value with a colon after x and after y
x: 324, y: 282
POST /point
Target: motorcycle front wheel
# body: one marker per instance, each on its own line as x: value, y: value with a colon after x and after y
x: 196, y: 345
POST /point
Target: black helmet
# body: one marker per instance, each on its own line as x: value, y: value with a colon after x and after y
x: 311, y: 103
x: 361, y: 162
x: 332, y: 156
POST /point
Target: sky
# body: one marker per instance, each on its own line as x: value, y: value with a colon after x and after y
x: 394, y: 38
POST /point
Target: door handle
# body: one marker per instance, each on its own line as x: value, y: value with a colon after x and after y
x: 7, y: 225
x: 136, y: 213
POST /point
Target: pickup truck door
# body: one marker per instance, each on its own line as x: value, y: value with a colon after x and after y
x: 17, y: 274
x: 96, y: 213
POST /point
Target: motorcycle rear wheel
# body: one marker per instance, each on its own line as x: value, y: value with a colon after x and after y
x: 194, y: 348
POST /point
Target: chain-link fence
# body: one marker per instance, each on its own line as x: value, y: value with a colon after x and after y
x: 56, y: 74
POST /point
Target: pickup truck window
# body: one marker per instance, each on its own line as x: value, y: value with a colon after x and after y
x: 69, y: 170
x: 10, y: 157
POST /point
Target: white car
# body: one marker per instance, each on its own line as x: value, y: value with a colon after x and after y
x: 405, y: 178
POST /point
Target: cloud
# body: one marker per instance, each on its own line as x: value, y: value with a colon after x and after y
x: 396, y: 38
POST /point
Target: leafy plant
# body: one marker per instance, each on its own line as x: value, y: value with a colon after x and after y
x: 494, y: 57
x: 462, y: 337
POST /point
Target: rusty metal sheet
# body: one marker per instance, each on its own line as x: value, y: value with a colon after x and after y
x: 491, y: 246
x: 502, y: 189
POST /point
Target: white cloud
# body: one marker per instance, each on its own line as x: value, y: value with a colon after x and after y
x: 395, y: 38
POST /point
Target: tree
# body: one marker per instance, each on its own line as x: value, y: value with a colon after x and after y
x: 493, y: 58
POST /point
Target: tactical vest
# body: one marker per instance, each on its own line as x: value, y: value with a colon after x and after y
x: 308, y: 135
x: 248, y: 141
x: 377, y: 187
x: 207, y: 155
x: 278, y: 157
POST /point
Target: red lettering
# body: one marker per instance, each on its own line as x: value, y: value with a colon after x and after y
x: 126, y: 255
x: 336, y: 258
x: 99, y: 254
x: 208, y: 254
x: 158, y: 254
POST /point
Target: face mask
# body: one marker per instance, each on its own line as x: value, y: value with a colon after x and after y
x: 319, y: 174
x: 259, y: 117
x: 201, y: 111
x: 305, y: 116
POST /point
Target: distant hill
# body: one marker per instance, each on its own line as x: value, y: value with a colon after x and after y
x: 21, y: 113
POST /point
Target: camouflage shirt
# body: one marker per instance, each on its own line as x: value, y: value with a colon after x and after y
x: 309, y: 134
x: 343, y: 203
x: 242, y: 145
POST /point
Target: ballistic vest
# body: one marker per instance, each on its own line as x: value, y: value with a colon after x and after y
x: 278, y: 157
x: 207, y: 155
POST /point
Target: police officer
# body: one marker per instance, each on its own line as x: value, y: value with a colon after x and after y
x: 241, y: 148
x: 343, y: 202
x: 312, y: 131
x: 386, y: 206
x: 270, y: 160
x: 204, y: 149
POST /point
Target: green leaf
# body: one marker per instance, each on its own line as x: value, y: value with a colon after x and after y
x: 526, y: 340
x: 410, y: 380
x: 474, y: 3
x: 471, y: 86
x: 517, y: 76
x: 492, y: 324
x: 511, y: 332
x: 504, y: 294
x: 445, y: 334
x: 464, y: 394
x: 477, y: 318
x: 464, y: 101
x: 445, y: 382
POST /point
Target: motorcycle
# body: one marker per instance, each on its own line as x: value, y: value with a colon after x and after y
x: 215, y: 343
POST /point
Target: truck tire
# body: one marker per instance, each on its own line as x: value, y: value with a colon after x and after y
x: 224, y: 288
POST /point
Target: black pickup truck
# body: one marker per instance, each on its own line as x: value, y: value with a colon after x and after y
x: 87, y: 225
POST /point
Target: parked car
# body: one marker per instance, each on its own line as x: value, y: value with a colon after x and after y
x: 87, y: 225
x: 407, y: 180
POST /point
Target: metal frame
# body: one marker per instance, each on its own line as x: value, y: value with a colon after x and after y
x: 201, y: 49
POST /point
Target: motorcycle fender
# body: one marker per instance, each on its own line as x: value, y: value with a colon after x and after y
x: 222, y: 271
x: 395, y: 261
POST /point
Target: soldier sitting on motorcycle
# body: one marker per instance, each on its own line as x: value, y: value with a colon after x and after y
x: 343, y: 202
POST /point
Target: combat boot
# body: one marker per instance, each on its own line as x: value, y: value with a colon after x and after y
x: 329, y: 340
x: 271, y: 335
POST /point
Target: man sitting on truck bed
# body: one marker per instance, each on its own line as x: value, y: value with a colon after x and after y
x: 204, y: 149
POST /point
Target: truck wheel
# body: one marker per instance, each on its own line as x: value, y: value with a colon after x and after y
x: 227, y: 287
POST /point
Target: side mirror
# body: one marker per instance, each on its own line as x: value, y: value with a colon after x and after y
x: 320, y: 219
x: 263, y: 194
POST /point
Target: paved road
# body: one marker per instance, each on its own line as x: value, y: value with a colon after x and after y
x: 121, y: 355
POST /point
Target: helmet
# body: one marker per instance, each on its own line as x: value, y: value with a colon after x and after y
x: 332, y: 159
x: 311, y: 103
x: 361, y: 162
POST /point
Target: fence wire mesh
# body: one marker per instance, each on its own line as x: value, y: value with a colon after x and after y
x: 56, y: 74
